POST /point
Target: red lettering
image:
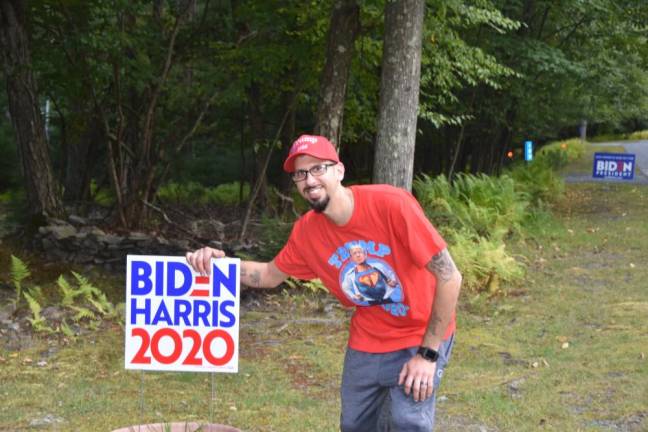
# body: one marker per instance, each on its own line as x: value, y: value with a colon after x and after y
x: 140, y: 357
x: 229, y: 352
x: 191, y: 357
x: 155, y: 346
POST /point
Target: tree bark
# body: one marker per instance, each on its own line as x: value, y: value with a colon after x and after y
x: 342, y: 33
x: 257, y: 132
x: 43, y: 192
x: 399, y: 93
x: 82, y: 135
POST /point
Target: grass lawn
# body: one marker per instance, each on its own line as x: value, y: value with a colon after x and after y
x: 566, y: 350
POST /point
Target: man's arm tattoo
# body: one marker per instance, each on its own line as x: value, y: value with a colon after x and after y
x: 255, y: 278
x: 442, y: 266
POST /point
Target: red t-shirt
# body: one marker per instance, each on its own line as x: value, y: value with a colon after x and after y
x: 376, y: 262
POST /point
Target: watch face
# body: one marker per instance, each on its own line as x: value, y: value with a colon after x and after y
x: 428, y: 354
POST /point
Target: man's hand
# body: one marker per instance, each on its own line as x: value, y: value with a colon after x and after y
x: 201, y: 259
x: 417, y: 377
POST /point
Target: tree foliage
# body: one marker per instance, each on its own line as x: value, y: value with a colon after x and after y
x: 147, y: 93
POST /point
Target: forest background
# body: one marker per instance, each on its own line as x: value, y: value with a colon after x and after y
x: 141, y: 100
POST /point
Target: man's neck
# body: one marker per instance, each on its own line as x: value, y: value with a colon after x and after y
x: 340, y: 208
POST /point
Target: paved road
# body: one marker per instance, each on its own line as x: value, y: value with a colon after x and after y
x: 638, y: 148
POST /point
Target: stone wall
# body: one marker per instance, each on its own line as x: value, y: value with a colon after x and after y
x: 76, y: 241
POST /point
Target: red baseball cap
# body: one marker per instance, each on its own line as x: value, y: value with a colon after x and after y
x: 312, y: 145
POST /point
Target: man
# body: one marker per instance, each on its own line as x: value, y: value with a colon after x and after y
x: 398, y: 349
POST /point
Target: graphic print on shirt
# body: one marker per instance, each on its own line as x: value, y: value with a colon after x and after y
x: 366, y: 279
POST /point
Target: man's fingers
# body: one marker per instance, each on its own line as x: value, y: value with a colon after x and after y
x: 430, y: 389
x: 206, y: 260
x: 200, y: 260
x: 402, y: 375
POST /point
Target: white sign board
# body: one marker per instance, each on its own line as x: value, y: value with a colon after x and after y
x: 178, y: 320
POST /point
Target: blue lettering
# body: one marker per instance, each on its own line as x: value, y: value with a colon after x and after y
x: 181, y: 310
x: 159, y: 277
x: 226, y: 313
x: 370, y: 247
x: 141, y: 282
x: 228, y: 282
x: 396, y: 309
x: 145, y: 311
x: 162, y: 314
x: 172, y: 269
x: 335, y: 261
x: 201, y: 312
x: 343, y: 252
x: 383, y: 250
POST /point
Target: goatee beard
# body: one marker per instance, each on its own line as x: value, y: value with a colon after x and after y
x: 319, y: 206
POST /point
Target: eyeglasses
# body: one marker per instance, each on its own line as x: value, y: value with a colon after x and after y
x: 315, y: 171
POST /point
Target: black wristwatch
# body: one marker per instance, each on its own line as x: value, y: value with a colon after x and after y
x: 428, y: 353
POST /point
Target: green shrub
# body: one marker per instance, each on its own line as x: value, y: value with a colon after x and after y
x: 191, y: 193
x: 476, y: 214
x: 558, y: 154
x: 182, y: 193
x: 483, y: 263
x: 228, y: 193
x: 102, y: 196
x: 639, y: 135
x: 538, y: 181
x: 489, y: 207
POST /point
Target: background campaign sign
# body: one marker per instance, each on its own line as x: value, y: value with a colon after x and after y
x: 614, y: 165
x: 178, y: 320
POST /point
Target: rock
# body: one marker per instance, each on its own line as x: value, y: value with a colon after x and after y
x: 93, y: 230
x: 54, y: 313
x: 138, y: 236
x: 208, y: 228
x: 77, y: 220
x: 110, y: 239
x: 60, y: 232
x: 7, y: 311
x: 54, y: 221
x: 47, y: 420
x: 515, y: 386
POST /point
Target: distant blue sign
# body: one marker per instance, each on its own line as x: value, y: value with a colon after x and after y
x: 614, y: 165
x: 528, y: 151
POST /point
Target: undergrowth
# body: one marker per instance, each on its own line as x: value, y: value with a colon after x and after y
x: 83, y: 303
x: 479, y: 214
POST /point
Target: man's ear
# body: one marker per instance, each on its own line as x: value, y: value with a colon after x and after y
x: 339, y: 169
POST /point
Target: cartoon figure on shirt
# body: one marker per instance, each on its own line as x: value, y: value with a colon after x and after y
x: 369, y: 281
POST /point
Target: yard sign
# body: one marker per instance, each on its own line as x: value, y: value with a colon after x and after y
x: 178, y: 320
x: 614, y: 165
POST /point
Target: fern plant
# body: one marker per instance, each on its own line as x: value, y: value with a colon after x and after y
x: 37, y: 321
x: 19, y: 271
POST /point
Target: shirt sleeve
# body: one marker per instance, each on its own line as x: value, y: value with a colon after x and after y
x: 292, y: 258
x: 415, y: 231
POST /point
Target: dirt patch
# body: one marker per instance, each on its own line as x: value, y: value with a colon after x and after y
x: 634, y: 423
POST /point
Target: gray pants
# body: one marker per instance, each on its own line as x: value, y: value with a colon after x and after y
x: 370, y: 388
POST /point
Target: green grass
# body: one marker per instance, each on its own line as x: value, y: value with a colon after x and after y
x: 581, y: 290
x: 564, y: 350
x: 584, y: 164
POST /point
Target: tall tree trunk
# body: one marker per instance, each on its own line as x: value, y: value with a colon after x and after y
x: 399, y: 92
x: 43, y: 193
x: 83, y: 134
x: 257, y: 132
x: 342, y: 33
